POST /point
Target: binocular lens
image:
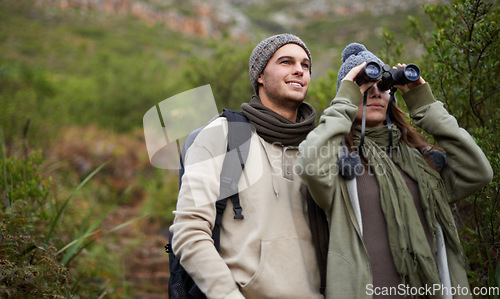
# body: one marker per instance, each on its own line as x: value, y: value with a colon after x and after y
x: 412, y: 73
x: 373, y: 70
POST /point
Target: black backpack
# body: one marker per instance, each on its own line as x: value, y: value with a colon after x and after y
x: 180, y: 284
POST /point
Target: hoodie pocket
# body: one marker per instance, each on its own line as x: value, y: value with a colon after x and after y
x: 283, y: 272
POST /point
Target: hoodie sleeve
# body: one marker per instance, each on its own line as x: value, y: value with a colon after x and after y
x: 317, y: 160
x: 468, y: 168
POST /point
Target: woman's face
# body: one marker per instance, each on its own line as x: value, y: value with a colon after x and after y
x: 376, y: 106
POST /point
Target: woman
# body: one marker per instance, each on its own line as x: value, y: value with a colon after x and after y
x: 392, y: 232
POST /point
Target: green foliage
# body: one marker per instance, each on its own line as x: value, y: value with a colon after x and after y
x: 28, y: 265
x: 480, y: 216
x: 162, y: 189
x: 462, y: 65
x: 225, y: 67
x: 321, y: 92
x: 37, y: 257
x: 25, y: 192
x: 58, y: 69
x: 59, y: 210
x: 392, y: 51
x: 462, y: 58
x: 28, y: 270
x: 24, y: 97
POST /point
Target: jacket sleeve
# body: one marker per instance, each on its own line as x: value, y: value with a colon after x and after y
x: 195, y: 217
x: 468, y: 168
x: 317, y: 159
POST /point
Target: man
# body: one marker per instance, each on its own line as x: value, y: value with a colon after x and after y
x: 269, y: 253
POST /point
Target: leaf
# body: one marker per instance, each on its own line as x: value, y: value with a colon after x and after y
x: 49, y: 236
x: 90, y: 232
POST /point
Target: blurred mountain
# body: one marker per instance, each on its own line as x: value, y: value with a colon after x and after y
x: 327, y: 26
x: 241, y: 18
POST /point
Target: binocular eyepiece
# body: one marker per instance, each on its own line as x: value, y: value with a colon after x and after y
x: 389, y: 76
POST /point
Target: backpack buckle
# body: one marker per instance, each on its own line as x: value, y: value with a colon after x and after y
x: 237, y: 213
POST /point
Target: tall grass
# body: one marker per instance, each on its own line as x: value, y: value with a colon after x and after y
x: 36, y: 256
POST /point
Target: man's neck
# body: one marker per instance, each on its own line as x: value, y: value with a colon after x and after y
x: 288, y: 112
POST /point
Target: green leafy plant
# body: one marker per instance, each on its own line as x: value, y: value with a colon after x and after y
x: 462, y: 57
x: 28, y: 265
x: 462, y: 65
x: 162, y: 188
x: 225, y: 68
x: 36, y: 261
x: 322, y: 91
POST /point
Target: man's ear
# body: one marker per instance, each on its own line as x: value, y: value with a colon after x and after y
x: 260, y: 80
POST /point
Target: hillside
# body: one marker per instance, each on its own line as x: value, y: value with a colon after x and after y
x: 326, y: 25
x: 86, y: 52
x: 210, y: 18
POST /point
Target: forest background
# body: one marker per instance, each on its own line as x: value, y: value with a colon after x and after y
x: 83, y: 212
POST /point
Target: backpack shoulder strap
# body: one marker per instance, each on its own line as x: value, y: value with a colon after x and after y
x: 189, y: 140
x: 238, y: 146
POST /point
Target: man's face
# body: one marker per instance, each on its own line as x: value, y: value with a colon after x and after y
x: 286, y: 78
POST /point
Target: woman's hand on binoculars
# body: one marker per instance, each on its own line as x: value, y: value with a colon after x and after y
x: 353, y: 73
x: 406, y: 88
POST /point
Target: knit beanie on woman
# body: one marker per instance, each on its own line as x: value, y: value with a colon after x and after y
x: 355, y: 54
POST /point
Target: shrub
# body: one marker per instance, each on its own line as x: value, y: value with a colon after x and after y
x: 28, y: 264
x: 463, y: 67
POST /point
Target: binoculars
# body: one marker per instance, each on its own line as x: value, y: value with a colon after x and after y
x: 389, y: 76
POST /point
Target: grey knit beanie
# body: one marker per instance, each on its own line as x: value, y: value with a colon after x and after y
x: 354, y: 54
x: 265, y: 50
